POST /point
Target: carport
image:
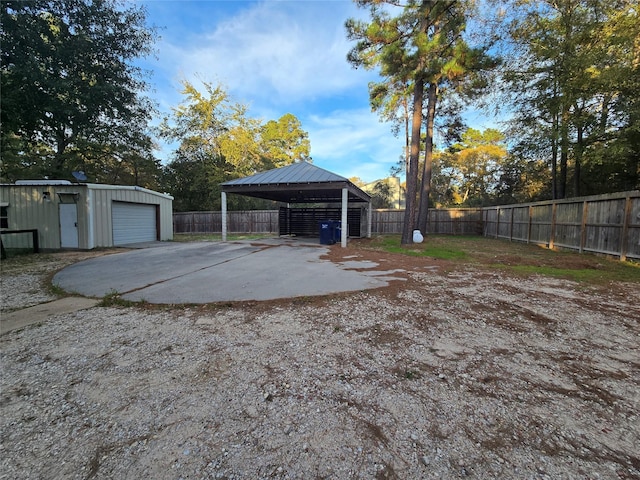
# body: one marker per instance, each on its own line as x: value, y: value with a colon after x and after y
x: 299, y: 183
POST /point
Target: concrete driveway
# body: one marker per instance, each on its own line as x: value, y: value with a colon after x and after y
x: 205, y: 272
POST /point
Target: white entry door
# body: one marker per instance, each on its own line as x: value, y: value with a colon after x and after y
x: 68, y: 225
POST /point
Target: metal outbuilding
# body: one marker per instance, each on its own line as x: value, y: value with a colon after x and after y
x: 83, y: 215
x: 301, y: 183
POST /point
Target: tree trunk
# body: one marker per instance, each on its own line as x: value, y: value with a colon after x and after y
x: 578, y: 161
x: 57, y: 168
x: 554, y: 158
x: 564, y: 151
x: 423, y: 216
x: 407, y: 140
x: 412, y: 179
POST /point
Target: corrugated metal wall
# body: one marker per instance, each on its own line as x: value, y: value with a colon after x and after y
x: 27, y: 208
x: 102, y: 197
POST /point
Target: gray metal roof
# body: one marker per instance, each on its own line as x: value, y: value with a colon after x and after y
x: 299, y: 182
x: 299, y: 172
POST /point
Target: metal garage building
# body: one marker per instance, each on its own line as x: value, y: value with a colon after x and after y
x: 304, y: 183
x: 83, y: 215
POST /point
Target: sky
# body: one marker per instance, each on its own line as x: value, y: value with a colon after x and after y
x: 277, y: 57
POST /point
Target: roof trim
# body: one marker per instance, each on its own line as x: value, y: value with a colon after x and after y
x: 299, y: 182
x: 90, y: 186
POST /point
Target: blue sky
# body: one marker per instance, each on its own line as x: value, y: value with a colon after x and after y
x: 277, y: 57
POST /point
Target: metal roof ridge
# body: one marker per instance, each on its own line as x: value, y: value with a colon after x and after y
x: 298, y: 172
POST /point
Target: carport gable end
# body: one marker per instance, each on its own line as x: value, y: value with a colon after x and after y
x: 297, y: 183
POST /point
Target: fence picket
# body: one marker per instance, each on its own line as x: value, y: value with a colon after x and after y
x: 608, y: 224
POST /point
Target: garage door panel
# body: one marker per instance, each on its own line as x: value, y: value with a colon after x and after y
x: 133, y: 223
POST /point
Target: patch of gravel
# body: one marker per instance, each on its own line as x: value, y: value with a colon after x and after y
x: 446, y: 375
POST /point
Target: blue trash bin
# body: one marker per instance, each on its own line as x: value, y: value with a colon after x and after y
x: 337, y: 228
x: 327, y: 232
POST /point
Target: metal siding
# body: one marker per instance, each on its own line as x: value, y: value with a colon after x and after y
x: 104, y: 196
x: 101, y: 211
x: 133, y: 222
x: 166, y: 220
x: 83, y: 216
x: 28, y: 210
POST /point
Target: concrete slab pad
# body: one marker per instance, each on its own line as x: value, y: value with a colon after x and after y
x: 206, y: 272
x: 136, y: 269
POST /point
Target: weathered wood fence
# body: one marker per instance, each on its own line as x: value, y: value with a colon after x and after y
x: 445, y: 221
x: 608, y: 224
x: 246, y: 221
x: 455, y: 221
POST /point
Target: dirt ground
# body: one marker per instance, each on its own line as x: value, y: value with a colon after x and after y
x: 451, y: 372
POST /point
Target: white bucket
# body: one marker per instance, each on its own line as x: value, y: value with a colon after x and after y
x: 417, y: 236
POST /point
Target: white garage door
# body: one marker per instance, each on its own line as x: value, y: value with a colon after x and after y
x: 133, y: 223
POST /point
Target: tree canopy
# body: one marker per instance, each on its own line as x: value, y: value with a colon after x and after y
x: 71, y: 95
x: 569, y: 85
x: 573, y: 84
x: 218, y: 141
x: 422, y: 44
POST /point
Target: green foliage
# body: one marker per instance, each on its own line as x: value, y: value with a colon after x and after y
x: 284, y: 142
x: 218, y: 142
x: 477, y: 171
x: 417, y: 45
x: 381, y: 195
x: 70, y: 93
x: 574, y: 81
x: 515, y: 258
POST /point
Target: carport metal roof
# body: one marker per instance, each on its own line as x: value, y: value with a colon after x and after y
x: 299, y: 182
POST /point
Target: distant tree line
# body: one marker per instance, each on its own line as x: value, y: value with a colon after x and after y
x: 565, y: 73
x: 72, y: 99
x: 568, y: 78
x: 218, y: 141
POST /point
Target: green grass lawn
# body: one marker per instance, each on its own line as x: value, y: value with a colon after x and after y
x: 515, y: 257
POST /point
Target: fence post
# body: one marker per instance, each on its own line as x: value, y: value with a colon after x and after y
x: 511, y: 227
x: 529, y: 226
x: 497, y: 222
x: 583, y: 226
x: 36, y: 241
x: 624, y: 244
x: 484, y: 222
x: 552, y: 234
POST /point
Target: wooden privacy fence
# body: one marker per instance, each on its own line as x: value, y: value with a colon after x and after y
x: 249, y: 221
x: 444, y: 221
x: 455, y: 221
x: 608, y: 224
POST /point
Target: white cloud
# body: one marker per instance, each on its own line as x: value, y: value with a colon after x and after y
x: 282, y: 52
x: 280, y: 57
x: 353, y: 143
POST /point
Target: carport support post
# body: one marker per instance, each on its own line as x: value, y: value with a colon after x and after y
x: 224, y: 216
x: 345, y: 226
